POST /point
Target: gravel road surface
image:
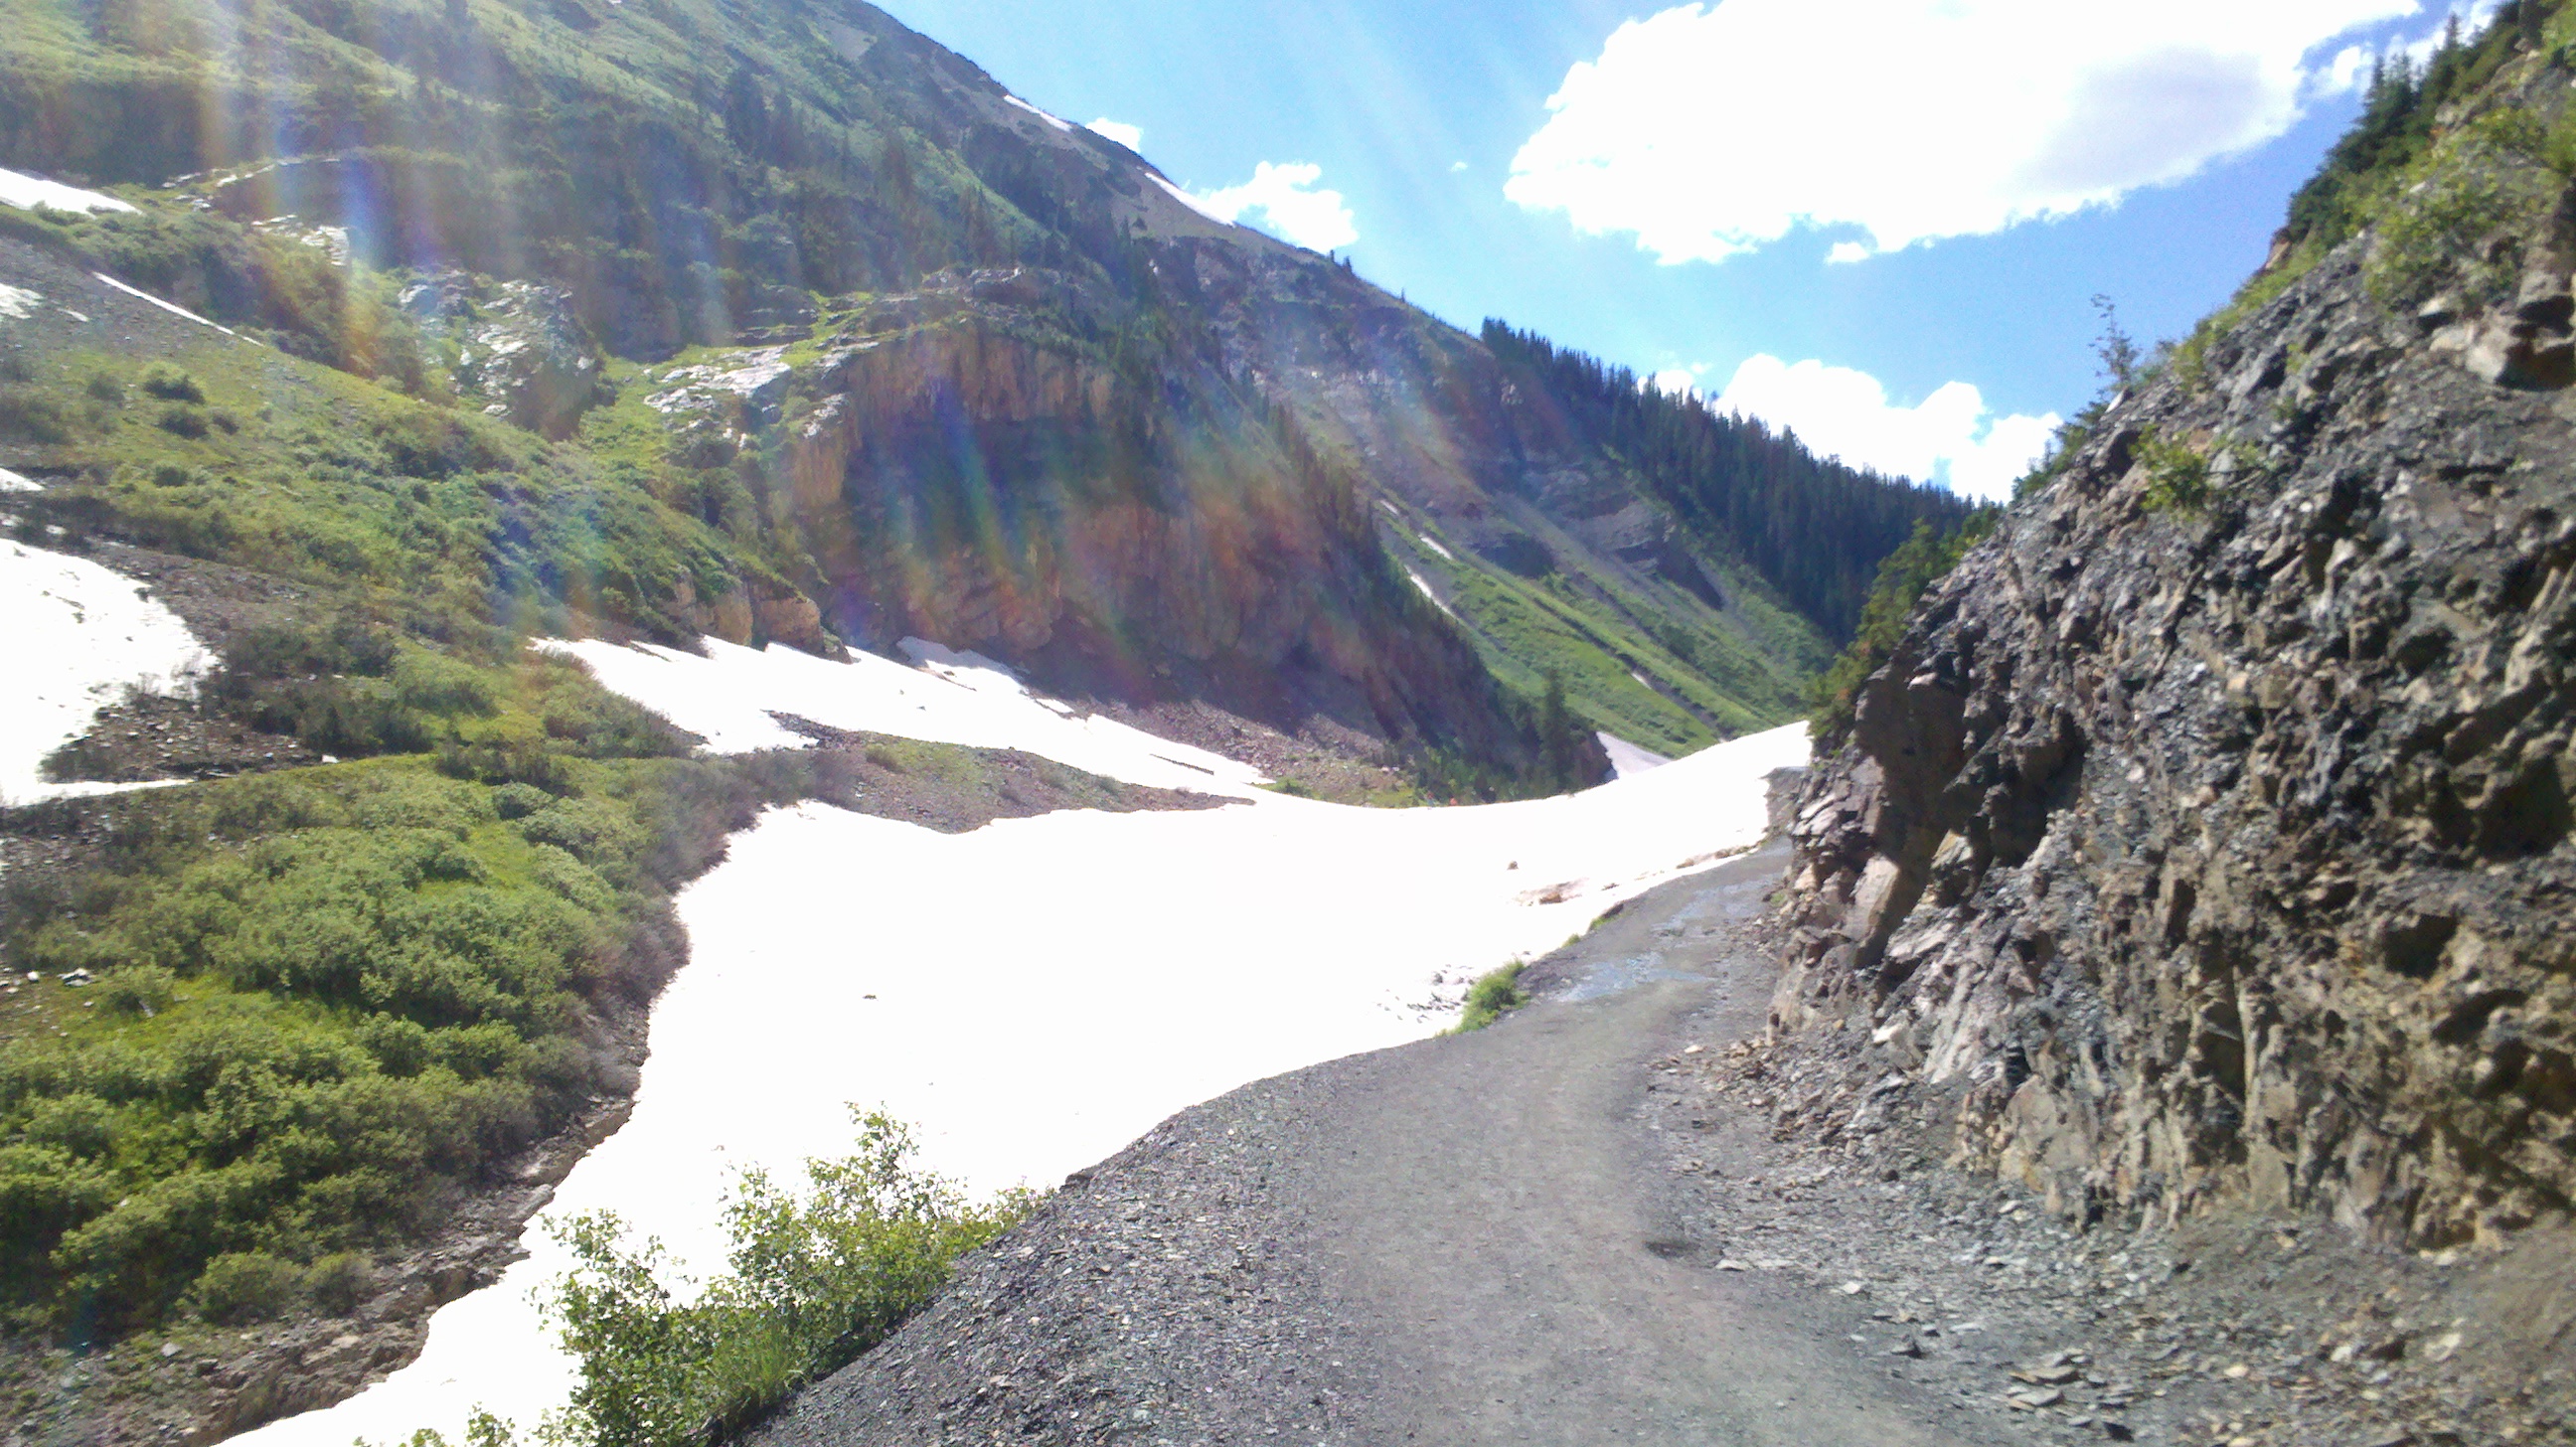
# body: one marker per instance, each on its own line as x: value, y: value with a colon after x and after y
x: 1469, y: 1240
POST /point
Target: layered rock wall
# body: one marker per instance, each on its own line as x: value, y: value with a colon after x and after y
x: 2207, y: 838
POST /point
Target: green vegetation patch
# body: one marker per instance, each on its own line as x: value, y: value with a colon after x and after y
x: 1491, y: 998
x: 816, y: 1278
x: 1907, y: 575
x: 319, y: 1004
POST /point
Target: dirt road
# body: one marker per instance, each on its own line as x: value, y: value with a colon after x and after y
x: 1470, y: 1240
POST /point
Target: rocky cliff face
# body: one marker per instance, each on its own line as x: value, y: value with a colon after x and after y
x: 977, y: 461
x: 2208, y: 836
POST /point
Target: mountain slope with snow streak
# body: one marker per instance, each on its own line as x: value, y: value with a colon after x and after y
x: 79, y: 634
x: 1037, y: 993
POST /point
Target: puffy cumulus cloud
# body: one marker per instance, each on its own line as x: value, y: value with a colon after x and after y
x: 1290, y: 203
x: 1951, y: 438
x: 1677, y: 382
x: 1709, y: 130
x: 1132, y: 137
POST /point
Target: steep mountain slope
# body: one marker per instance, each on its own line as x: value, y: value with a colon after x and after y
x: 693, y: 175
x: 2206, y: 840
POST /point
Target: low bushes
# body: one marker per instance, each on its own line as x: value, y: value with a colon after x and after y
x: 1491, y: 998
x: 816, y: 1278
x: 327, y: 1000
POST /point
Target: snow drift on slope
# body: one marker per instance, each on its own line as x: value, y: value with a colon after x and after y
x: 29, y: 192
x: 78, y: 635
x: 1037, y: 993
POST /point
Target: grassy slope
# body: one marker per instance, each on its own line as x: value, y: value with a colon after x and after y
x: 1713, y: 675
x: 328, y: 998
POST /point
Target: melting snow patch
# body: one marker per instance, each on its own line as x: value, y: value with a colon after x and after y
x: 1627, y: 760
x: 29, y: 192
x: 728, y: 696
x: 17, y: 482
x: 1434, y: 597
x: 77, y: 636
x: 1192, y: 202
x: 1041, y: 115
x: 173, y: 308
x: 1433, y: 544
x: 17, y: 303
x: 1037, y: 993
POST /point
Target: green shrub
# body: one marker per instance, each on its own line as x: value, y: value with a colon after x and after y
x: 330, y: 998
x: 518, y: 801
x: 144, y: 990
x: 2433, y: 228
x: 1491, y: 998
x: 79, y: 1125
x: 170, y: 384
x: 245, y: 1286
x: 339, y: 1281
x: 815, y: 1279
x: 32, y: 416
x: 103, y: 387
x: 435, y: 684
x: 181, y: 420
x: 593, y: 831
x: 2177, y: 475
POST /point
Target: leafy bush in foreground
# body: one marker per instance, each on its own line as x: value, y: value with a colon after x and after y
x: 1491, y: 998
x: 816, y: 1279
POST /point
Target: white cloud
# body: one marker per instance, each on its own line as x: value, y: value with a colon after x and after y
x: 1290, y: 205
x: 1911, y: 120
x: 1132, y: 137
x: 1951, y: 438
x: 1847, y: 252
x: 1677, y: 382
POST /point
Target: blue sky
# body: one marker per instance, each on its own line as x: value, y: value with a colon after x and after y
x: 1984, y: 167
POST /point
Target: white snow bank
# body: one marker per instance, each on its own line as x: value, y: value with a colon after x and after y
x: 16, y: 482
x: 951, y: 698
x: 173, y: 308
x: 17, y: 303
x: 1061, y: 125
x: 1037, y: 993
x: 1192, y: 202
x: 29, y: 192
x: 77, y: 635
x: 1424, y: 586
x: 1627, y: 760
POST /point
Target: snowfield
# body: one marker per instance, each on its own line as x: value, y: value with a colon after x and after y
x: 78, y: 635
x: 1036, y: 994
x: 1628, y: 760
x: 29, y: 192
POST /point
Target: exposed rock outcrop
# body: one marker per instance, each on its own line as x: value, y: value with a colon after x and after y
x: 515, y: 348
x: 969, y: 462
x: 2208, y: 834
